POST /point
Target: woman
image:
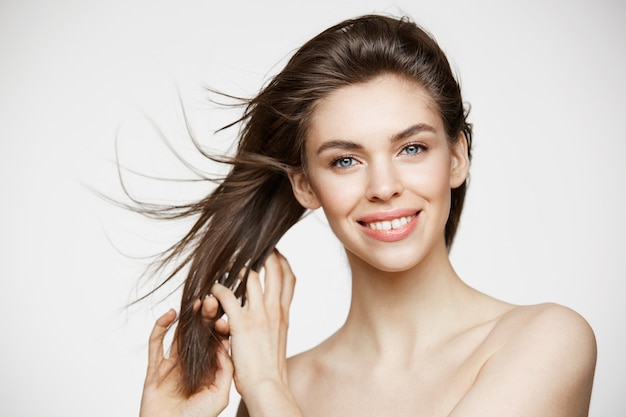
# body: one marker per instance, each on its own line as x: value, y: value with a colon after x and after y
x: 366, y: 121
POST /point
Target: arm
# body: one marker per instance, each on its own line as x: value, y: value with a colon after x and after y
x: 258, y: 341
x: 545, y: 369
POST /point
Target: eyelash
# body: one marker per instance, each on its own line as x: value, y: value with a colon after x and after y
x: 335, y: 162
x: 420, y: 148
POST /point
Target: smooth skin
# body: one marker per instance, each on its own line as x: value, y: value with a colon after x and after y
x: 417, y: 341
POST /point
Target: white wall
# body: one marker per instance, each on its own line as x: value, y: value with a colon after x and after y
x: 545, y: 213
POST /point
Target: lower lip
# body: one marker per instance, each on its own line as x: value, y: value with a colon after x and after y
x: 392, y: 235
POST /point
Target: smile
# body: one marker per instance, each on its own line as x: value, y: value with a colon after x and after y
x: 390, y: 224
x: 390, y: 227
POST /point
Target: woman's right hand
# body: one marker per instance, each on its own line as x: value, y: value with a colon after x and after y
x: 161, y: 394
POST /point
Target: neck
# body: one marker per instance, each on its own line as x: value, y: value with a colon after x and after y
x: 396, y: 314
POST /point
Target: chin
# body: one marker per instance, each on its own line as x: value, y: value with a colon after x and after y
x: 395, y: 268
x: 395, y: 264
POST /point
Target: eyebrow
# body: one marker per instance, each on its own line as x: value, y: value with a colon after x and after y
x: 346, y: 144
x: 411, y: 131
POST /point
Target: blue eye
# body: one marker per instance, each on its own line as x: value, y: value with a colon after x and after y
x: 413, y: 149
x: 344, y: 162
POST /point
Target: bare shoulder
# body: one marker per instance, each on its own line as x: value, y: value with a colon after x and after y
x: 308, y: 369
x: 545, y: 354
x: 550, y: 324
x: 551, y: 334
x: 302, y: 367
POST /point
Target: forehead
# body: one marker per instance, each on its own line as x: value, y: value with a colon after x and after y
x: 382, y: 106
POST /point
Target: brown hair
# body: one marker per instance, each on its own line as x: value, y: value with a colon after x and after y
x: 241, y: 221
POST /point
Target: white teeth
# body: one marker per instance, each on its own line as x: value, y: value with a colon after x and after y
x: 390, y: 224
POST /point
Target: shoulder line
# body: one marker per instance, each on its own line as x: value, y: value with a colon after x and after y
x: 553, y: 329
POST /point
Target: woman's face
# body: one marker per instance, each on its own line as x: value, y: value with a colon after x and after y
x: 379, y: 165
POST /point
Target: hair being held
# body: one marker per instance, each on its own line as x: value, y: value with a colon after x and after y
x: 239, y: 223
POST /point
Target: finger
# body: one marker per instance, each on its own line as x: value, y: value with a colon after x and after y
x: 209, y: 309
x: 222, y: 327
x: 225, y: 365
x: 155, y: 346
x: 288, y: 283
x: 288, y: 286
x: 227, y: 299
x: 273, y: 278
x: 254, y: 290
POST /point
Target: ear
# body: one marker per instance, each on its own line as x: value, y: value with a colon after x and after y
x: 302, y: 190
x: 459, y: 162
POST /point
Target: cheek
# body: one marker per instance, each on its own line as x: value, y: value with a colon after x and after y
x: 431, y: 181
x: 336, y: 195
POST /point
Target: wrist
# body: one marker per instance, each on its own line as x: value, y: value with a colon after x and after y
x: 271, y: 398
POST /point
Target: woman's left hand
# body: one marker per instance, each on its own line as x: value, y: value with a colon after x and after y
x: 258, y: 338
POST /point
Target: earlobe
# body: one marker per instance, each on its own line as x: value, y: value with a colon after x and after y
x: 459, y: 163
x: 302, y: 190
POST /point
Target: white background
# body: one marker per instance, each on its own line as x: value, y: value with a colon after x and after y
x: 544, y: 218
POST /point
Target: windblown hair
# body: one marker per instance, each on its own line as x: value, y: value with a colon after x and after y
x: 242, y: 220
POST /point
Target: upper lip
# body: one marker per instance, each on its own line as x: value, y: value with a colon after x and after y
x: 387, y: 215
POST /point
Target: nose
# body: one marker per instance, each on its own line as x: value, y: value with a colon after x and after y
x: 384, y: 182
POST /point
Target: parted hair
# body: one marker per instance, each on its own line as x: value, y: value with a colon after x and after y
x: 239, y: 223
